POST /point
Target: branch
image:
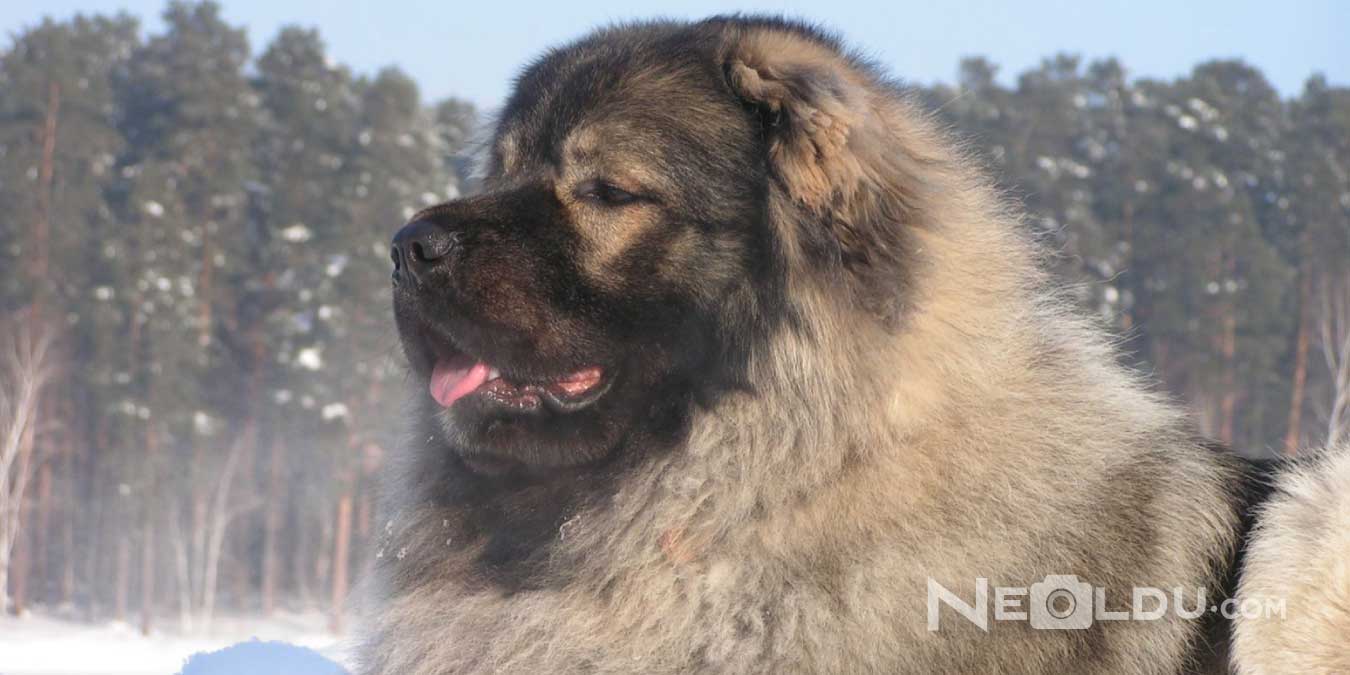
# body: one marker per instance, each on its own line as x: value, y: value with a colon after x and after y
x: 24, y: 372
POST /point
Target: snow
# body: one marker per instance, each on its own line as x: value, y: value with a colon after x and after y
x: 202, y: 423
x: 43, y: 645
x: 310, y: 358
x: 336, y: 264
x: 297, y: 233
x: 256, y: 657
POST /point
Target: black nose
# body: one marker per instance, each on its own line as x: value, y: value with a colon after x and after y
x: 418, y: 247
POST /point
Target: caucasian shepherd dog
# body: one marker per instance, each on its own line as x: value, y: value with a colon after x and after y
x: 737, y: 363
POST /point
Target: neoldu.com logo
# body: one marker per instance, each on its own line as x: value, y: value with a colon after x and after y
x: 1065, y: 602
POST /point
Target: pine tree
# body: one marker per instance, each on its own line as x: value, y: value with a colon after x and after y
x: 190, y: 123
x: 304, y: 152
x: 1224, y: 129
x: 59, y: 140
x: 456, y: 125
x: 397, y: 167
x: 1318, y: 149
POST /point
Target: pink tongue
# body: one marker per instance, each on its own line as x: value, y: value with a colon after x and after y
x: 453, y: 380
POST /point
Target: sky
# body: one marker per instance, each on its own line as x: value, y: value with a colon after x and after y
x: 472, y: 49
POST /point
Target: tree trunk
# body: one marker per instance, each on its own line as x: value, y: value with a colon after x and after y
x: 123, y: 579
x: 17, y: 569
x: 18, y: 600
x: 148, y: 537
x: 302, y: 581
x: 182, y: 568
x: 1127, y: 235
x: 271, y: 528
x: 344, y: 530
x: 197, y: 558
x: 40, y: 263
x: 1228, y: 350
x: 147, y: 574
x: 220, y: 520
x: 41, y: 229
x: 98, y: 531
x: 41, y: 527
x: 1294, y: 426
x: 69, y: 511
x: 1334, y: 329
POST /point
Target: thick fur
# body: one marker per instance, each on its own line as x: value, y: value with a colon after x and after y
x: 917, y: 401
x: 1299, y: 555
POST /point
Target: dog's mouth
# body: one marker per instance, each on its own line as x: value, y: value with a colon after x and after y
x: 457, y: 375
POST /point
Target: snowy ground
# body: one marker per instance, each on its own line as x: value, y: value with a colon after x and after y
x: 41, y: 645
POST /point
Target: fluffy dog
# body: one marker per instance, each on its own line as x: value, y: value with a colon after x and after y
x: 734, y: 361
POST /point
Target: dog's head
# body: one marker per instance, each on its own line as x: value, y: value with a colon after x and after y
x: 653, y: 195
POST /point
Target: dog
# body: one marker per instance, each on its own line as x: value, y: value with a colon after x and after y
x: 737, y: 363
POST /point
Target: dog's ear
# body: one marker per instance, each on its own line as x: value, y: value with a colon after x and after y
x: 828, y: 121
x: 844, y: 145
x: 807, y: 110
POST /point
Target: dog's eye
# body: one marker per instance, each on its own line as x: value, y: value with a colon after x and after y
x: 604, y: 193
